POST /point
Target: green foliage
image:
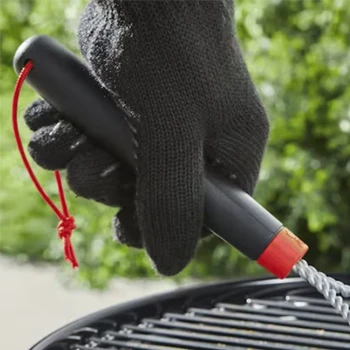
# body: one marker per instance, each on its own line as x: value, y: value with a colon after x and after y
x: 303, y: 71
x: 298, y: 53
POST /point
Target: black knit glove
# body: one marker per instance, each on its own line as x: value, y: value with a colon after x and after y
x: 176, y: 68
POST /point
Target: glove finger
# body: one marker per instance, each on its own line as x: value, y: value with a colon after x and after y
x: 52, y: 147
x: 39, y: 114
x: 239, y: 144
x: 169, y: 195
x: 97, y: 175
x: 126, y: 228
x: 237, y: 156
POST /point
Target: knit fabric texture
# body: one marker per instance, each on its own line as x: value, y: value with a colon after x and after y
x: 177, y: 70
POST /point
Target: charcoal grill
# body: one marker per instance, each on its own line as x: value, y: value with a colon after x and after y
x: 251, y: 314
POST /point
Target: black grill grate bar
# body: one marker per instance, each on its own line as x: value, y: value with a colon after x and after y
x: 281, y: 329
x: 293, y: 305
x: 172, y: 343
x: 271, y: 320
x: 131, y: 345
x: 301, y: 315
x: 314, y: 301
x: 223, y: 340
x: 249, y: 333
x: 86, y: 332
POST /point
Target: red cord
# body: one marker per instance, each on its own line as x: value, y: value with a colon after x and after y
x: 66, y: 224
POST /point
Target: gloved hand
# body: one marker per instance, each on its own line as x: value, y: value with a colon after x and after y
x: 177, y: 70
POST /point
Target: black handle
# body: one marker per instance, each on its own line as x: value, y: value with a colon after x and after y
x: 66, y: 83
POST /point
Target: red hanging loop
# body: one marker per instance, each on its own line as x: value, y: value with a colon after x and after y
x: 66, y: 224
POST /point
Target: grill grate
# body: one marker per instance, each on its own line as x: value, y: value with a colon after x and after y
x: 257, y: 319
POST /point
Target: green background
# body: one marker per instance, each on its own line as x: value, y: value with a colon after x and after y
x: 298, y: 53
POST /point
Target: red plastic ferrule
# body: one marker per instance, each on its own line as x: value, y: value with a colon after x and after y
x: 284, y: 251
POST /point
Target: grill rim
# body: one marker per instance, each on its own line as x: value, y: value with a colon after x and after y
x: 184, y: 298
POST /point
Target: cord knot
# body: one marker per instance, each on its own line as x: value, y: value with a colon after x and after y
x: 65, y: 229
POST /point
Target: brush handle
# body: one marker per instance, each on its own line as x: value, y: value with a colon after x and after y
x: 65, y: 82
